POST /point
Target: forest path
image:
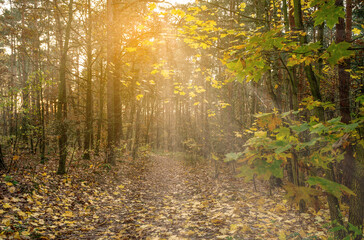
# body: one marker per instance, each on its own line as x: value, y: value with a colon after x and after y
x: 167, y: 199
x: 158, y: 197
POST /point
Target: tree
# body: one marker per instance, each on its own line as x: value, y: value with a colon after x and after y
x: 62, y: 88
x: 89, y: 99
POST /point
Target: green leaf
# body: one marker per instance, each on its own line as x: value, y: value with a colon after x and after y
x: 355, y: 230
x: 334, y: 120
x: 232, y: 156
x: 337, y: 228
x: 360, y: 99
x: 235, y: 66
x: 350, y: 127
x: 246, y: 172
x: 338, y: 52
x: 265, y: 170
x: 300, y: 128
x: 283, y: 149
x: 285, y: 114
x: 312, y: 142
x: 283, y: 133
x: 308, y: 49
x: 331, y: 187
x: 328, y: 12
x: 319, y: 128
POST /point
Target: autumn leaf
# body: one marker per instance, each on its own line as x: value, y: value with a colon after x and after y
x: 68, y: 214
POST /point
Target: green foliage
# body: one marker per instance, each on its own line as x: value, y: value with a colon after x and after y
x: 351, y: 231
x: 327, y: 11
x: 279, y: 138
x: 337, y: 52
x: 10, y: 179
x: 331, y: 187
x: 232, y: 156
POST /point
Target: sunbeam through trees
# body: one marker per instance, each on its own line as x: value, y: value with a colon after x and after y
x: 205, y: 119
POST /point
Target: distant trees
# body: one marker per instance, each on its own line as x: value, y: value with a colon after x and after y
x: 73, y: 69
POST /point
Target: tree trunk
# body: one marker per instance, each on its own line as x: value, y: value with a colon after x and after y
x: 101, y: 108
x: 353, y: 171
x: 315, y: 90
x: 89, y: 120
x: 62, y: 95
x: 110, y: 83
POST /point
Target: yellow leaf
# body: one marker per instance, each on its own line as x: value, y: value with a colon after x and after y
x: 192, y: 94
x: 6, y: 222
x: 178, y: 12
x: 25, y: 233
x: 16, y: 235
x: 131, y: 49
x: 12, y: 189
x: 233, y: 227
x: 356, y: 31
x: 217, y: 221
x: 165, y: 73
x: 68, y: 214
x: 16, y: 157
x: 49, y: 210
x: 139, y: 96
x: 22, y: 214
x: 190, y: 18
x: 238, y: 135
x: 70, y: 223
x: 9, y: 183
x: 155, y: 71
x: 196, y: 103
x: 242, y: 6
x: 141, y: 27
x: 246, y: 229
x: 6, y: 205
x: 121, y: 186
x: 214, y: 157
x: 152, y: 6
x: 282, y: 235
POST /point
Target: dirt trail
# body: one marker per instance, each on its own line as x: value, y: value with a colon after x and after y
x: 156, y: 198
x: 162, y: 198
x: 169, y: 200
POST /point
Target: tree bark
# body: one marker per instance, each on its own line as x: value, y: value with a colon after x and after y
x: 62, y: 94
x: 110, y: 83
x: 89, y: 112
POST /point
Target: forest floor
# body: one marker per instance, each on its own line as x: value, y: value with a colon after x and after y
x: 161, y: 197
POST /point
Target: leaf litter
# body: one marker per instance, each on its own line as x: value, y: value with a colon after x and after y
x: 157, y: 198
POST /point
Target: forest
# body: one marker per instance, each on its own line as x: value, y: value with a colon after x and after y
x: 182, y: 119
